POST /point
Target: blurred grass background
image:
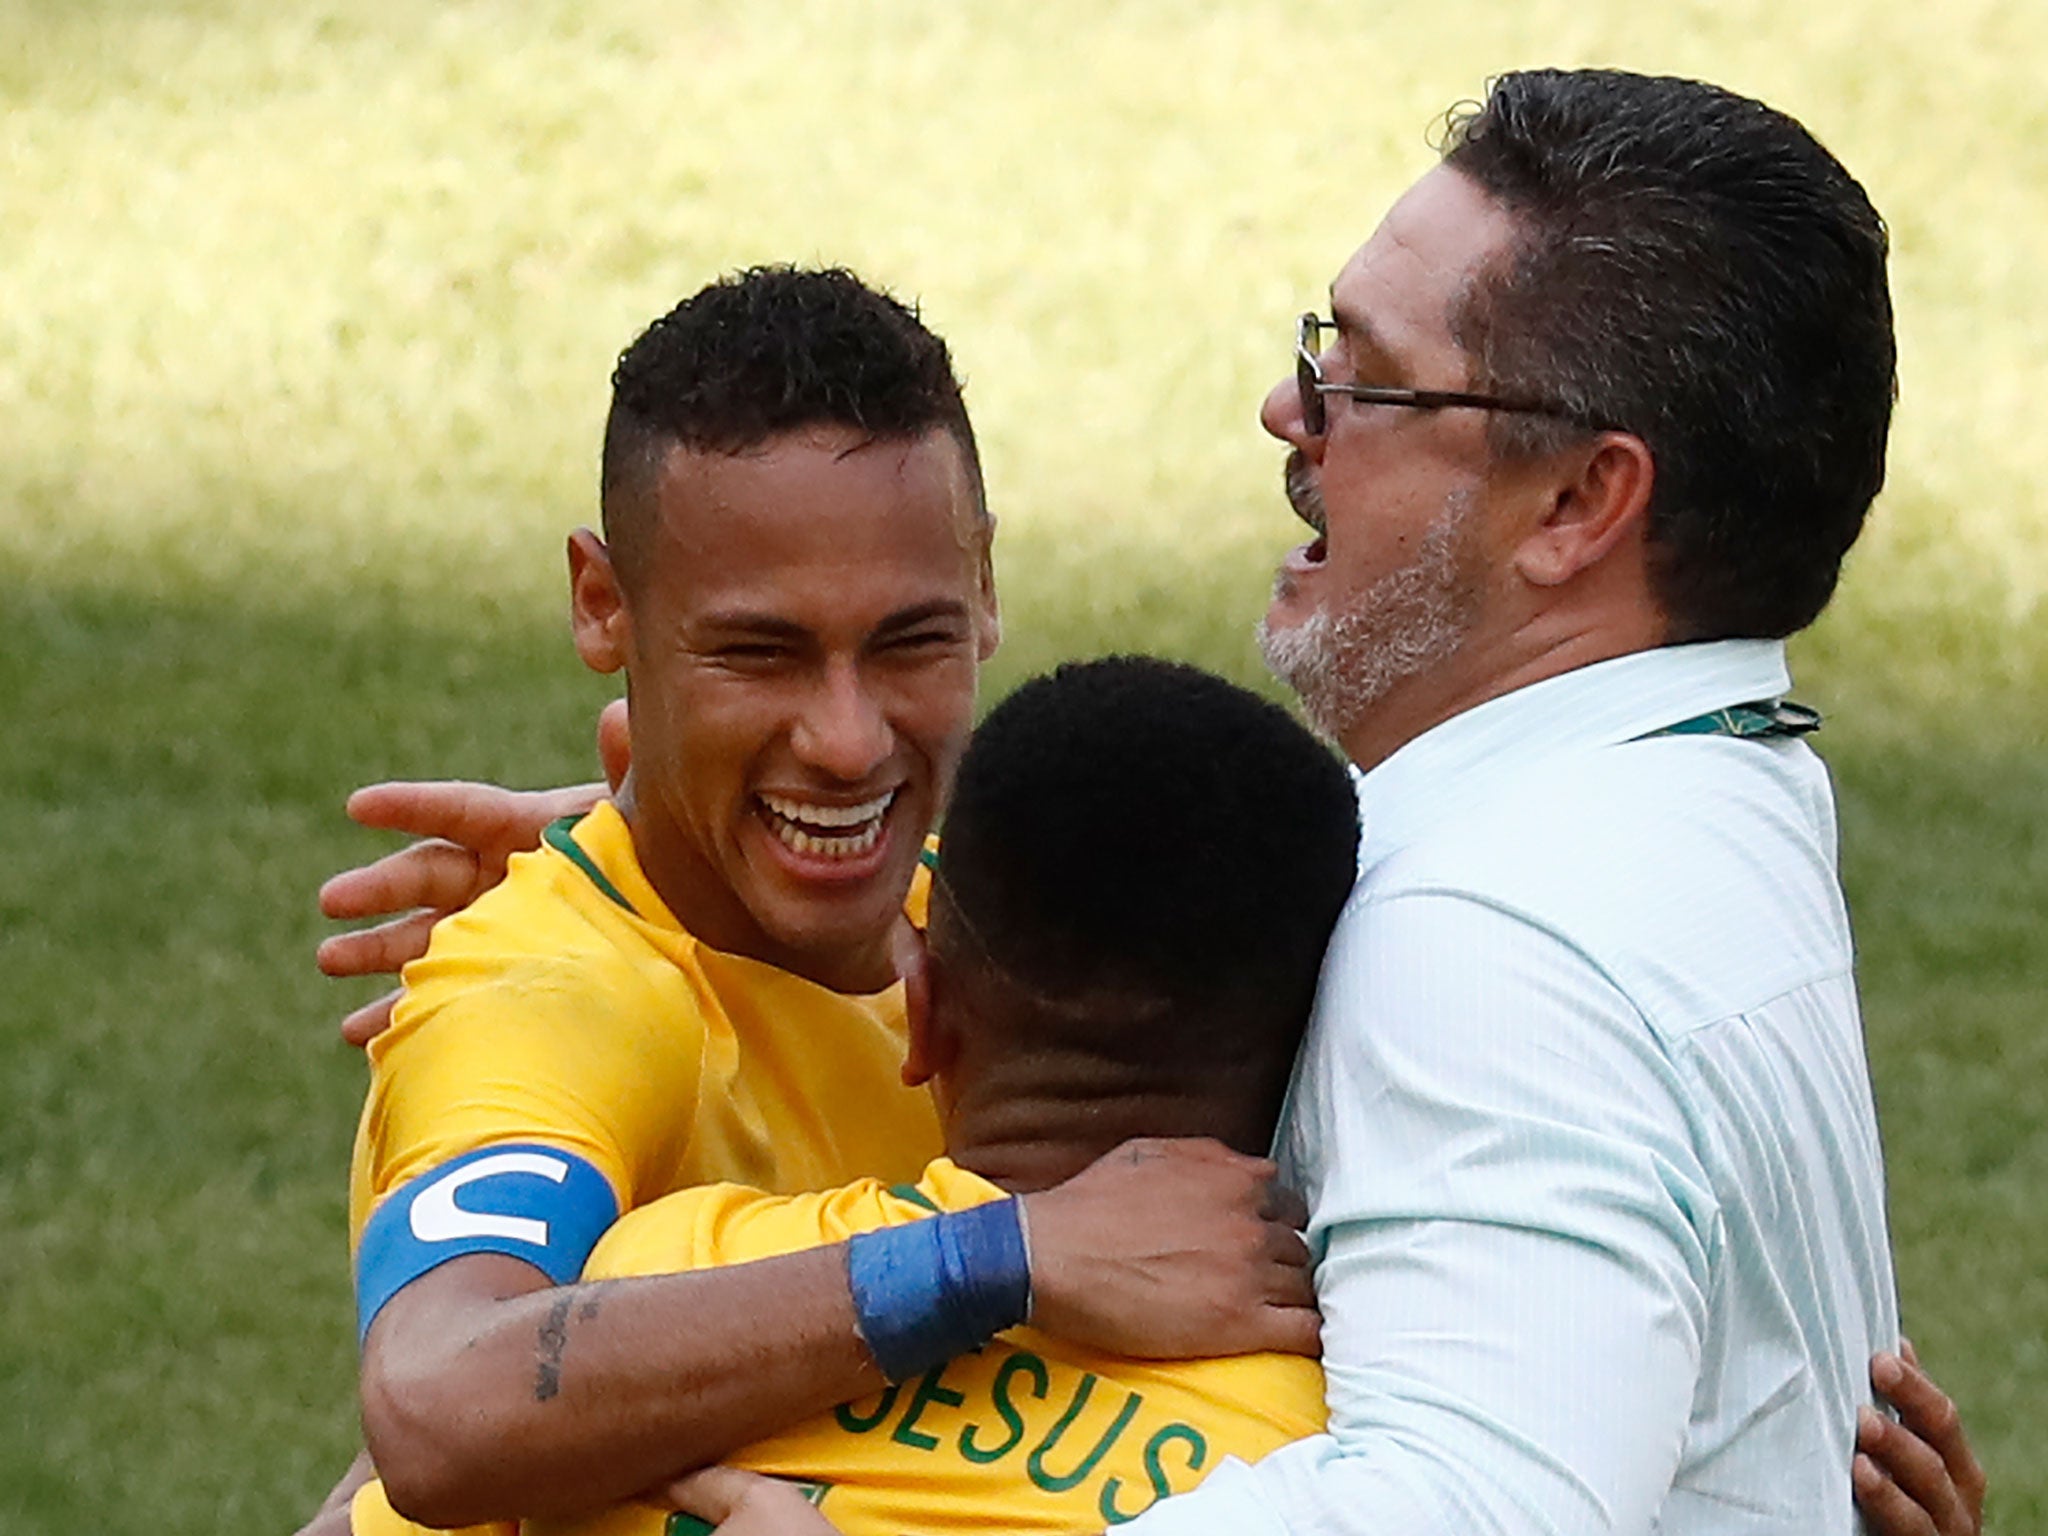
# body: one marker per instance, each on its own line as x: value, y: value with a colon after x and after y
x: 306, y: 318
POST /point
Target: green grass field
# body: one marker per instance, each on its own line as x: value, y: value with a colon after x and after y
x: 306, y: 317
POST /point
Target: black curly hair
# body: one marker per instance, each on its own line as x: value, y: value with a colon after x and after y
x: 761, y: 352
x: 1142, y: 863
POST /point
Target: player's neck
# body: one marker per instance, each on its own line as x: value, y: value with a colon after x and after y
x: 1024, y: 1140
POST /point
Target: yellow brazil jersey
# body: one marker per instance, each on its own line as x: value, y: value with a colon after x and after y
x: 567, y: 1010
x: 568, y: 1007
x: 1030, y: 1434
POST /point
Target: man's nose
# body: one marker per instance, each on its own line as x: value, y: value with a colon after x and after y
x: 843, y: 731
x: 1280, y: 413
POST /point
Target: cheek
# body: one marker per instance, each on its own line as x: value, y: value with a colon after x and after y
x: 708, y: 734
x: 934, y: 711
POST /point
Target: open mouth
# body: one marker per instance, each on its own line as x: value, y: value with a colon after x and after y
x: 1303, y: 494
x: 819, y: 831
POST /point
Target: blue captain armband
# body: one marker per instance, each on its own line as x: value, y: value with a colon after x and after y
x: 539, y: 1204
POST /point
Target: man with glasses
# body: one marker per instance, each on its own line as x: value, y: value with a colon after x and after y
x: 1584, y: 1117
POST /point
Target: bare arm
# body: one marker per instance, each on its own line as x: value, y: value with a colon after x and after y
x: 489, y: 1394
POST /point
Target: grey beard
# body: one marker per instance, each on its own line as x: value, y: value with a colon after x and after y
x: 1341, y: 664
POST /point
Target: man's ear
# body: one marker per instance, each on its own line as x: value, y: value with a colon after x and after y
x: 930, y: 1047
x: 597, y: 605
x: 1601, y: 500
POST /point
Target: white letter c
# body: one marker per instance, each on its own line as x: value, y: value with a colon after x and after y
x: 436, y: 1218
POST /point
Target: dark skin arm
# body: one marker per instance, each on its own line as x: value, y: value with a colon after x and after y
x: 488, y: 1394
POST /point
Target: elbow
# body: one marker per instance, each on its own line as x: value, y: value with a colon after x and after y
x: 435, y: 1452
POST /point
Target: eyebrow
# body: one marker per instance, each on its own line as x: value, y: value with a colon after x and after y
x: 923, y: 613
x: 771, y: 626
x: 1355, y: 328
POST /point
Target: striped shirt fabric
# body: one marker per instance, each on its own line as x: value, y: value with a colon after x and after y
x: 1586, y: 1128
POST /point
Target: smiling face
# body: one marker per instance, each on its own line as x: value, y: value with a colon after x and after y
x: 801, y: 655
x: 1373, y: 620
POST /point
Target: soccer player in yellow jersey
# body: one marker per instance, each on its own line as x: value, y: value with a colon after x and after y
x: 1141, y: 867
x: 697, y: 982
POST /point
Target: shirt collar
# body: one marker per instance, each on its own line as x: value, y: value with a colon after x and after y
x: 1453, y: 764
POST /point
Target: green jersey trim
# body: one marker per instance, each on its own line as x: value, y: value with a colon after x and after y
x: 557, y: 837
x: 915, y: 1196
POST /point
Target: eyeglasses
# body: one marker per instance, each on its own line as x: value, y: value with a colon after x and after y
x: 1315, y: 415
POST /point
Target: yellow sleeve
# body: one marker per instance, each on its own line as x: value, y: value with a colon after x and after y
x: 371, y: 1514
x: 506, y: 1034
x: 718, y: 1224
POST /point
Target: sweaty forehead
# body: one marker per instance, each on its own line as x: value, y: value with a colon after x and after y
x: 1398, y: 292
x: 824, y: 505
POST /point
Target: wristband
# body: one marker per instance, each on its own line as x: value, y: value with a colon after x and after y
x: 932, y: 1289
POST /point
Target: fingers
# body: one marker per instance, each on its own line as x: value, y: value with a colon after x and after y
x: 1284, y: 1205
x: 1928, y: 1421
x: 1295, y: 1331
x: 369, y: 1021
x: 738, y: 1501
x: 1912, y: 1465
x: 431, y: 874
x: 1284, y: 1246
x: 710, y: 1494
x: 614, y: 743
x: 378, y: 951
x: 1886, y: 1509
x: 449, y: 808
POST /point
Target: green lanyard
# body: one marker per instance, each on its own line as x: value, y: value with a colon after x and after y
x: 1769, y: 717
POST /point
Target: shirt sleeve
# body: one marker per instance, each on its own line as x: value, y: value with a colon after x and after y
x: 1516, y: 1237
x: 490, y: 1048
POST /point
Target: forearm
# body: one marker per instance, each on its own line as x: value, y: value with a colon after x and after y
x: 560, y: 1399
x: 1481, y: 1380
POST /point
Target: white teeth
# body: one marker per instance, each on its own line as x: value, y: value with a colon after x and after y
x: 813, y: 814
x: 800, y: 825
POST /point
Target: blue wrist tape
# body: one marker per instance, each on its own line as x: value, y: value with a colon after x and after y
x: 932, y: 1289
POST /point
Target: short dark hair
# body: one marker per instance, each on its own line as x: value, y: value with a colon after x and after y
x: 765, y: 351
x: 1693, y: 267
x: 1149, y: 861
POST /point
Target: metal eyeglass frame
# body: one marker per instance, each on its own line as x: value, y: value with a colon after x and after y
x: 1315, y: 416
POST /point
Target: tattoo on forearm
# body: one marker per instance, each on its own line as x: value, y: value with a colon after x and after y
x: 553, y: 1340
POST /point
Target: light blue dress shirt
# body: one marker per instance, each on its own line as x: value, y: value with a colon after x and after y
x: 1586, y: 1128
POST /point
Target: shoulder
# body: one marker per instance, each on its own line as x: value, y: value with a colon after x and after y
x: 545, y: 947
x: 1697, y: 873
x: 719, y: 1224
x: 534, y: 1017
